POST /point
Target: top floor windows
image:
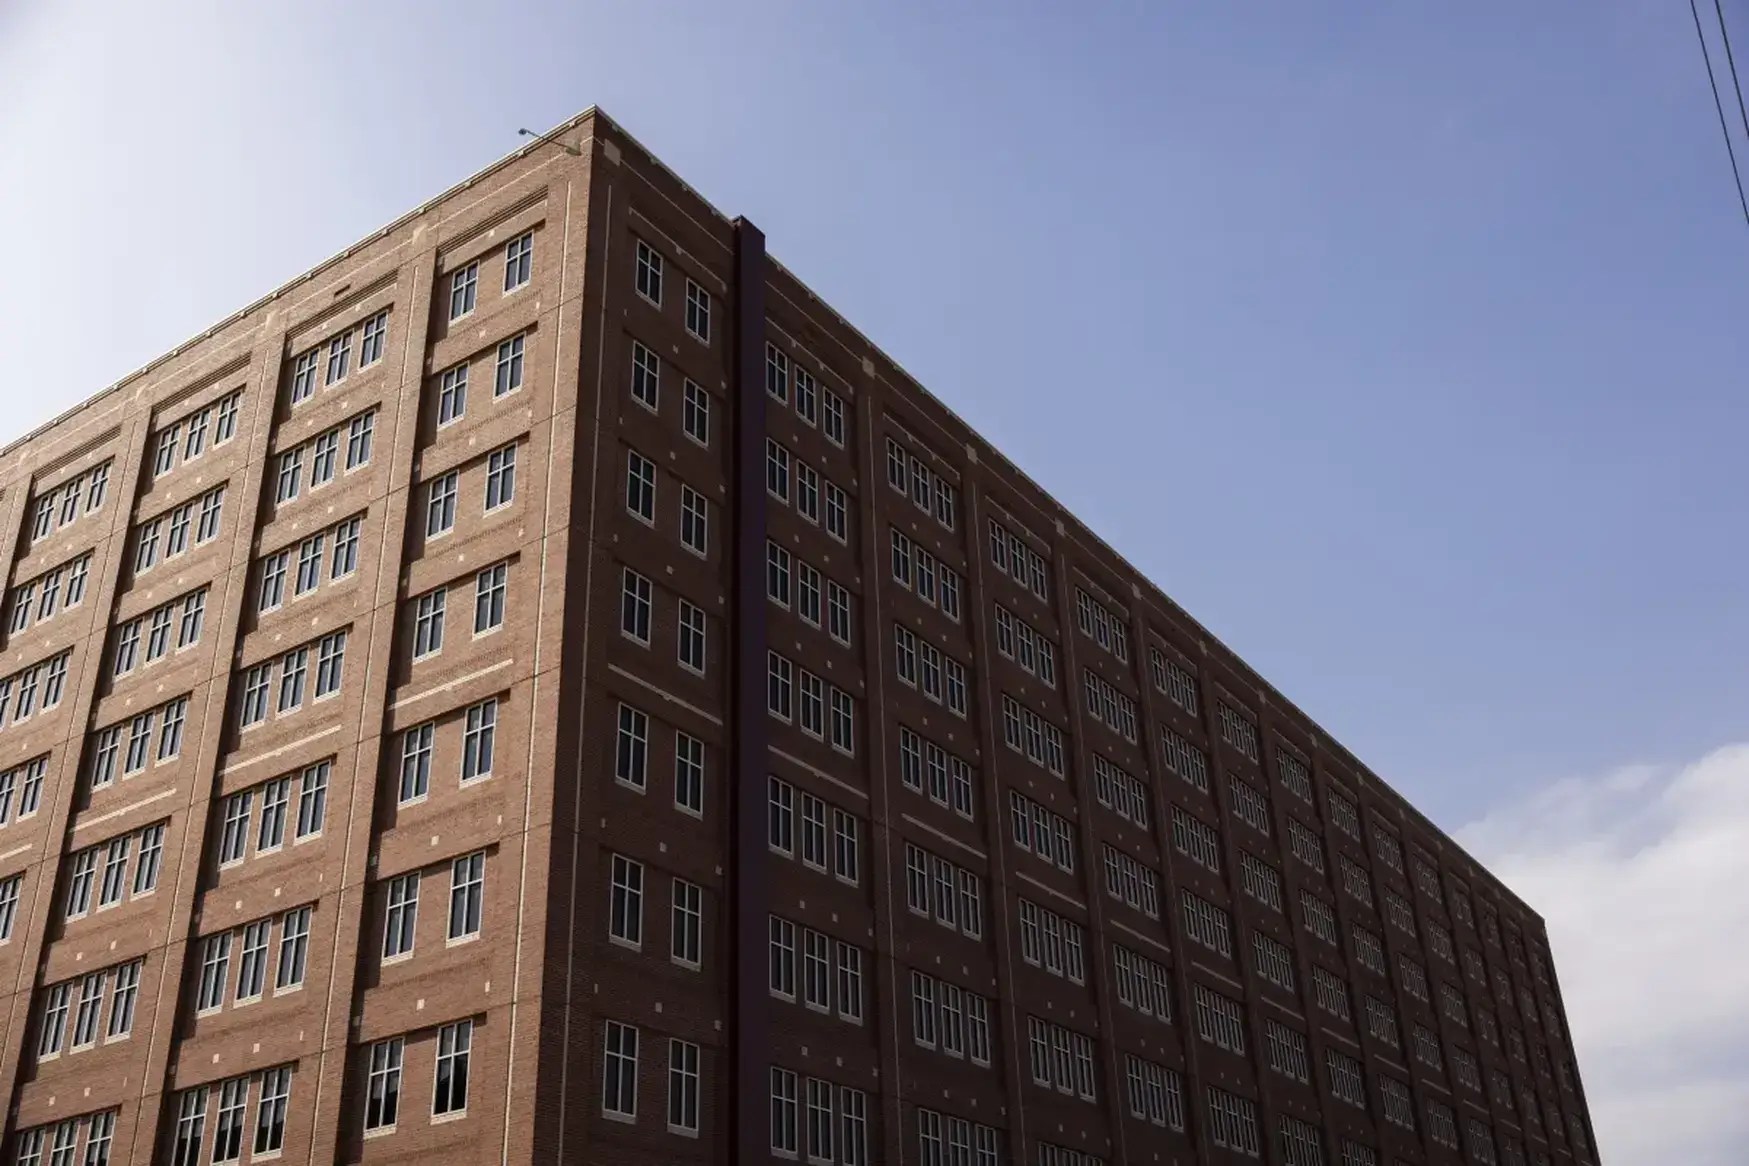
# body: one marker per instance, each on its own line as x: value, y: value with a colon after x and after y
x: 929, y: 491
x: 1238, y: 730
x: 649, y: 273
x: 331, y: 361
x: 464, y: 290
x: 1177, y: 682
x: 187, y: 438
x: 518, y: 261
x: 68, y: 502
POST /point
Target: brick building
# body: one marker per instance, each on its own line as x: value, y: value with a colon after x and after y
x: 540, y: 687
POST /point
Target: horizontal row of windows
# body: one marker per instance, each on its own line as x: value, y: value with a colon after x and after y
x: 252, y: 943
x: 166, y: 537
x: 927, y: 768
x: 943, y: 890
x: 830, y: 837
x: 1019, y: 641
x: 467, y: 891
x: 1012, y: 554
x: 332, y: 552
x: 72, y: 1017
x: 431, y: 610
x: 910, y: 475
x: 176, y: 624
x: 1102, y: 625
x: 66, y: 503
x: 1061, y: 1058
x: 55, y: 590
x: 783, y: 467
x: 1032, y: 736
x: 256, y: 703
x: 821, y: 973
x: 127, y: 747
x: 323, y: 455
x: 815, y: 404
x: 952, y: 1020
x: 310, y: 370
x: 185, y: 439
x: 627, y: 878
x: 1041, y: 831
x: 21, y: 789
x: 921, y: 665
x: 37, y: 688
x: 144, y: 847
x: 795, y: 694
x: 919, y: 571
x: 791, y: 582
x: 253, y: 821
x: 507, y: 376
x: 225, y: 1106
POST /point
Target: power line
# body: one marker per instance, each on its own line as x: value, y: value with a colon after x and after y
x: 1725, y: 34
x: 1724, y: 126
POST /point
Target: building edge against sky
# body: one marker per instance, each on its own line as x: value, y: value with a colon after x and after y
x: 322, y: 885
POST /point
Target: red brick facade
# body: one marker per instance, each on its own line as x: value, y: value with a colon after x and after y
x: 680, y: 712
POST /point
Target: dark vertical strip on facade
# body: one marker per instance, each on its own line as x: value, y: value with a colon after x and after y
x: 749, y: 1034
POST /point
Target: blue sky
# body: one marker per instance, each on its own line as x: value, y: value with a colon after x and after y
x: 1402, y: 344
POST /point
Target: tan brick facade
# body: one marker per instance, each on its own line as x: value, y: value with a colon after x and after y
x: 903, y: 793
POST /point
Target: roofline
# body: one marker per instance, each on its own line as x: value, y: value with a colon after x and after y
x: 479, y: 175
x: 594, y: 111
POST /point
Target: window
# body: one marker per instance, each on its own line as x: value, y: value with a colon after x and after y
x: 463, y: 290
x: 507, y: 376
x: 647, y: 382
x: 215, y: 963
x: 688, y: 773
x: 1219, y: 1020
x: 330, y: 661
x: 698, y: 311
x: 1274, y: 960
x: 383, y: 1084
x: 479, y: 732
x: 634, y: 619
x: 640, y: 486
x: 619, y: 1075
x: 683, y: 1090
x: 452, y: 395
x: 1347, y: 1078
x: 694, y: 521
x: 626, y: 901
x: 358, y: 438
x: 440, y: 498
x: 695, y: 414
x: 339, y: 358
x: 631, y: 756
x: 649, y: 273
x: 428, y: 623
x: 1196, y: 838
x: 1055, y: 943
x: 294, y: 942
x: 785, y: 1117
x: 467, y: 893
x: 416, y: 746
x: 489, y: 590
x: 450, y: 1080
x: 500, y: 477
x: 1233, y: 1122
x: 1287, y: 1051
x: 518, y: 261
x: 686, y: 927
x: 777, y: 470
x: 402, y: 915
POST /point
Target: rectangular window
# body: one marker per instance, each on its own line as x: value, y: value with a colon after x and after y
x: 683, y: 1087
x: 294, y: 939
x: 698, y: 311
x: 694, y: 521
x: 649, y: 273
x: 626, y: 901
x: 467, y: 894
x: 507, y: 375
x: 449, y: 1092
x: 518, y: 261
x: 401, y: 916
x: 452, y: 395
x: 501, y: 477
x: 383, y: 1083
x: 619, y: 1076
x: 463, y: 291
x: 686, y: 927
x: 428, y: 613
x: 440, y: 498
x: 634, y: 619
x: 479, y: 734
x: 696, y: 414
x: 490, y: 586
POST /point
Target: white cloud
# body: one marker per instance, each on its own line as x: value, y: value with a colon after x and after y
x: 1643, y: 877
